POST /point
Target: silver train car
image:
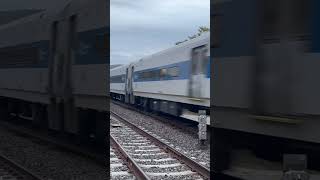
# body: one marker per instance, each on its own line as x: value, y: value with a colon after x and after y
x: 53, y: 67
x: 175, y: 81
x: 265, y: 71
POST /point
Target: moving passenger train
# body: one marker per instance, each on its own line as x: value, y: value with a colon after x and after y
x: 265, y: 86
x: 172, y: 81
x: 53, y: 67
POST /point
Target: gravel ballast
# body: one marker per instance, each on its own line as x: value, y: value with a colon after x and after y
x: 48, y: 161
x: 176, y: 138
x: 159, y: 168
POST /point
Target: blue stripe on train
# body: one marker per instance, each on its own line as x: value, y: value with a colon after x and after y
x: 184, y: 71
x: 87, y: 53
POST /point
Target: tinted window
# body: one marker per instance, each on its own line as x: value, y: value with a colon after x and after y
x: 117, y: 79
x: 19, y: 56
x: 173, y: 72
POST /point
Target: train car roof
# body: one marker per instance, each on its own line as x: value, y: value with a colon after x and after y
x: 184, y: 44
x: 46, y: 13
x: 119, y: 67
x: 199, y: 38
x: 22, y: 20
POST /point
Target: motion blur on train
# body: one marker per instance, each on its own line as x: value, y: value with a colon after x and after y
x: 173, y: 81
x: 53, y: 67
x: 265, y: 90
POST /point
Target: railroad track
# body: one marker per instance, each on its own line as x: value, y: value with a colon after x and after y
x: 150, y: 157
x: 177, y: 123
x: 9, y: 170
x: 117, y: 167
x: 99, y: 158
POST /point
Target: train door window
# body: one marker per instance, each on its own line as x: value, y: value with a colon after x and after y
x: 194, y: 68
x: 123, y: 78
x: 204, y: 60
x: 73, y: 32
x: 199, y: 60
x: 132, y: 72
x: 127, y: 75
x: 54, y: 35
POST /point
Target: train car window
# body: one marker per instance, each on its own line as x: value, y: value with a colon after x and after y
x: 19, y: 56
x: 173, y: 72
x: 156, y: 74
x: 163, y: 73
x: 153, y: 74
x: 148, y: 75
x: 117, y: 79
x: 102, y: 44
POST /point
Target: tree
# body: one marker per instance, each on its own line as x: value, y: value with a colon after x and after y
x: 201, y: 30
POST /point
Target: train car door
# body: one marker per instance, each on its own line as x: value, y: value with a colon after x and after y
x: 56, y: 72
x: 280, y: 47
x: 61, y: 105
x: 198, y: 71
x: 129, y: 98
x: 131, y: 85
x: 126, y: 98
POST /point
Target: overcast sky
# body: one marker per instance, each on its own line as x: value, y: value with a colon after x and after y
x: 143, y: 27
x: 140, y: 27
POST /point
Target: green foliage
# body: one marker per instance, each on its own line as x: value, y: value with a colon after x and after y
x: 201, y: 30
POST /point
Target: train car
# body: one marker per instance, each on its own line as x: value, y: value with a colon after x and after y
x: 170, y: 81
x: 265, y: 71
x: 117, y: 82
x: 53, y: 68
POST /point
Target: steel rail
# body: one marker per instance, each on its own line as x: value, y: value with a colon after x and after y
x: 26, y: 174
x: 55, y: 141
x: 203, y: 171
x: 130, y: 162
